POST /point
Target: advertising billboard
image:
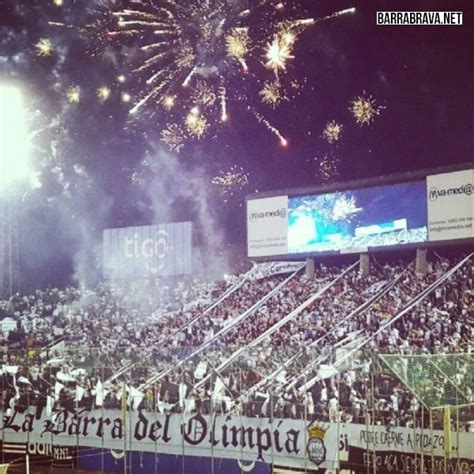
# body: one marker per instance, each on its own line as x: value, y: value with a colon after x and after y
x: 267, y: 226
x: 432, y: 208
x: 147, y: 251
x: 450, y: 205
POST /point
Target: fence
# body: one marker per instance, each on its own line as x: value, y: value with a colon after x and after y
x: 364, y: 416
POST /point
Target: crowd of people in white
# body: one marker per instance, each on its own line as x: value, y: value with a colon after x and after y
x: 267, y: 343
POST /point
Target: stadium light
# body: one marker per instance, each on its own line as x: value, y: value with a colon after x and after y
x: 13, y: 137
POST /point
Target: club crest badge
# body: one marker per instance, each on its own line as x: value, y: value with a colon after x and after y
x: 315, y: 448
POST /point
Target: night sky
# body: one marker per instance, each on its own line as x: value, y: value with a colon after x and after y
x: 98, y: 168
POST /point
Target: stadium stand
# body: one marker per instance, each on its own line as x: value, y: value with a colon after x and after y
x: 283, y: 346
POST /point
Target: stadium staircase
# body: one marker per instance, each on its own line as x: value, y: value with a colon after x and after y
x: 408, y: 307
x: 235, y: 355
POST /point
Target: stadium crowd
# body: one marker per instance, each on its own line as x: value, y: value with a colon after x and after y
x: 255, y: 346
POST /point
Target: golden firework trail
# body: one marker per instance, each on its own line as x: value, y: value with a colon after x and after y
x: 261, y: 119
x: 223, y: 97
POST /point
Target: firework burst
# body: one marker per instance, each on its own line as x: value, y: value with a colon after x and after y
x: 364, y: 109
x: 345, y: 208
x: 332, y: 131
x: 44, y: 47
x: 196, y: 123
x: 185, y: 57
x: 73, y: 95
x: 125, y: 97
x: 168, y: 102
x: 230, y: 181
x: 174, y: 136
x: 237, y: 45
x: 328, y: 167
x: 103, y: 93
x: 278, y: 52
x: 271, y: 94
x: 204, y: 95
x: 196, y: 53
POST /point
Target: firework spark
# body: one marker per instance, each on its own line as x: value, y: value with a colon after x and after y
x: 126, y: 97
x: 185, y: 57
x: 230, y: 181
x: 278, y: 52
x: 196, y: 123
x: 44, y: 47
x: 328, y: 167
x: 237, y: 44
x: 223, y: 97
x: 204, y: 95
x: 168, y: 102
x: 174, y: 136
x: 364, y: 109
x: 261, y: 119
x: 196, y: 51
x: 103, y: 93
x: 136, y: 179
x: 345, y: 208
x: 73, y: 95
x: 332, y: 131
x: 271, y: 94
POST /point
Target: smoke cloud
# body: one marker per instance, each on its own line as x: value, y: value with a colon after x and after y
x: 179, y: 190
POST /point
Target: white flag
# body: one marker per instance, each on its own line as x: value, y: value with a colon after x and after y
x: 137, y: 396
x: 79, y: 393
x: 57, y: 389
x: 99, y: 394
x: 201, y: 370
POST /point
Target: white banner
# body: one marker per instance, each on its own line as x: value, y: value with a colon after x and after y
x: 267, y: 226
x: 450, y: 205
x: 264, y: 270
x: 407, y: 440
x: 284, y: 442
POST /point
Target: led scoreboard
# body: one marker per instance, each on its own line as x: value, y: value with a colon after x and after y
x: 350, y: 219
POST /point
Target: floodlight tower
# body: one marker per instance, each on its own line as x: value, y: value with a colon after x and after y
x: 13, y: 166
